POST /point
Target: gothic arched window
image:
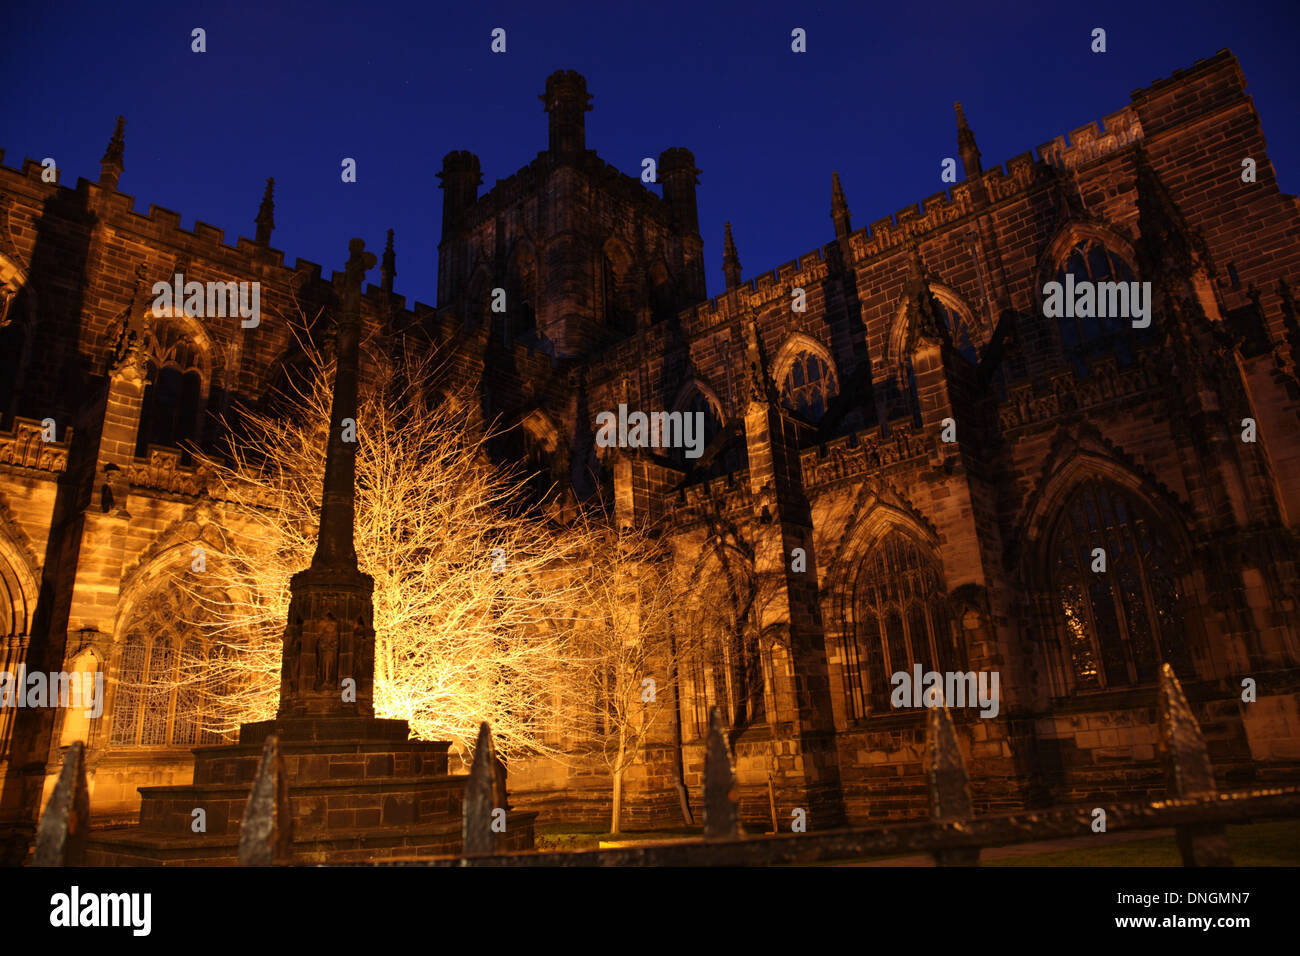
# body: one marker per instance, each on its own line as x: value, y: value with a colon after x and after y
x: 726, y: 669
x: 1119, y: 624
x: 960, y: 329
x: 1084, y: 338
x: 620, y: 316
x: 524, y: 306
x: 899, y: 619
x: 171, y: 413
x: 161, y: 683
x: 662, y: 304
x: 810, y: 386
x: 732, y: 457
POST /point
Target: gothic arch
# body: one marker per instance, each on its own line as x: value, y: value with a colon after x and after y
x: 898, y: 343
x: 1091, y: 253
x: 1058, y: 249
x: 1072, y: 461
x: 686, y: 395
x: 806, y: 376
x: 730, y: 660
x: 155, y: 644
x: 175, y: 339
x: 890, y: 609
x: 17, y: 325
x: 524, y: 291
x: 1108, y: 628
x: 797, y: 344
x: 620, y: 287
x: 879, y: 509
x: 18, y: 579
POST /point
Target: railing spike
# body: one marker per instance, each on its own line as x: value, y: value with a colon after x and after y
x: 721, y: 791
x: 949, y: 786
x: 266, y: 831
x: 481, y: 795
x: 65, y: 824
x: 1189, y: 773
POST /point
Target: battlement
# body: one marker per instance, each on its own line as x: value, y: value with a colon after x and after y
x: 1087, y: 143
x: 1199, y: 88
x: 1223, y: 64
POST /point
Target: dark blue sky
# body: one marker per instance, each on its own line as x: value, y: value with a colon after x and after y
x: 288, y: 90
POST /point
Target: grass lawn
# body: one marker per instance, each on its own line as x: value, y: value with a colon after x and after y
x: 1255, y: 844
x: 576, y: 836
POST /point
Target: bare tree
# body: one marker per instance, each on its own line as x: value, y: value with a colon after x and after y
x: 627, y: 641
x: 473, y: 610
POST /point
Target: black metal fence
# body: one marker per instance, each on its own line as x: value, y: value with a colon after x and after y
x: 954, y: 836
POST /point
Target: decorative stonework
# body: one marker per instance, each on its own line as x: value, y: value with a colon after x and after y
x: 22, y: 447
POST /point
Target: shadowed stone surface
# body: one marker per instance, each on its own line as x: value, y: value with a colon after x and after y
x: 61, y: 836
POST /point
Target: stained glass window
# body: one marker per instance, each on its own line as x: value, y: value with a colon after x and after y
x: 1085, y: 338
x: 809, y: 386
x: 1116, y: 625
x: 161, y: 683
x: 899, y: 620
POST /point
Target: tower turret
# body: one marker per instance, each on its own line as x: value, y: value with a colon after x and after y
x: 461, y: 177
x: 567, y: 102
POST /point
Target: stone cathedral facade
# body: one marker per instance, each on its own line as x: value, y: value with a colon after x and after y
x: 916, y: 468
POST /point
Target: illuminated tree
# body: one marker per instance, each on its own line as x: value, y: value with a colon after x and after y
x: 626, y: 639
x: 472, y: 605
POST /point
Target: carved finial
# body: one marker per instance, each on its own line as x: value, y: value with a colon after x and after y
x: 926, y: 323
x: 110, y: 166
x: 966, y: 148
x: 759, y: 382
x: 131, y: 329
x: 266, y: 214
x: 839, y: 207
x: 389, y: 267
x: 730, y: 261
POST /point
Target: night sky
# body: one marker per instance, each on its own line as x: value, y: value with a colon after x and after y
x: 289, y: 90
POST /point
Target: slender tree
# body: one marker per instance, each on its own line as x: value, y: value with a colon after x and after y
x: 625, y: 637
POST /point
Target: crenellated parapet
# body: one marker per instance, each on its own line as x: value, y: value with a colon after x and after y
x: 1119, y: 130
x: 864, y: 452
x: 1033, y: 402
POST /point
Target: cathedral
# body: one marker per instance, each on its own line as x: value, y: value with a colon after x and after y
x: 916, y: 459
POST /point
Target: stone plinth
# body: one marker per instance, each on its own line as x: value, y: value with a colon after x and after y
x: 359, y: 788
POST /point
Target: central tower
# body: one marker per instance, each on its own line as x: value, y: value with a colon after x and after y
x: 584, y: 253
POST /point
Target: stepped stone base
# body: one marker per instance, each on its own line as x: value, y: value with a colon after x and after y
x: 359, y: 790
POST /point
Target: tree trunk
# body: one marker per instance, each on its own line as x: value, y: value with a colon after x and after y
x: 618, y: 801
x: 618, y: 783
